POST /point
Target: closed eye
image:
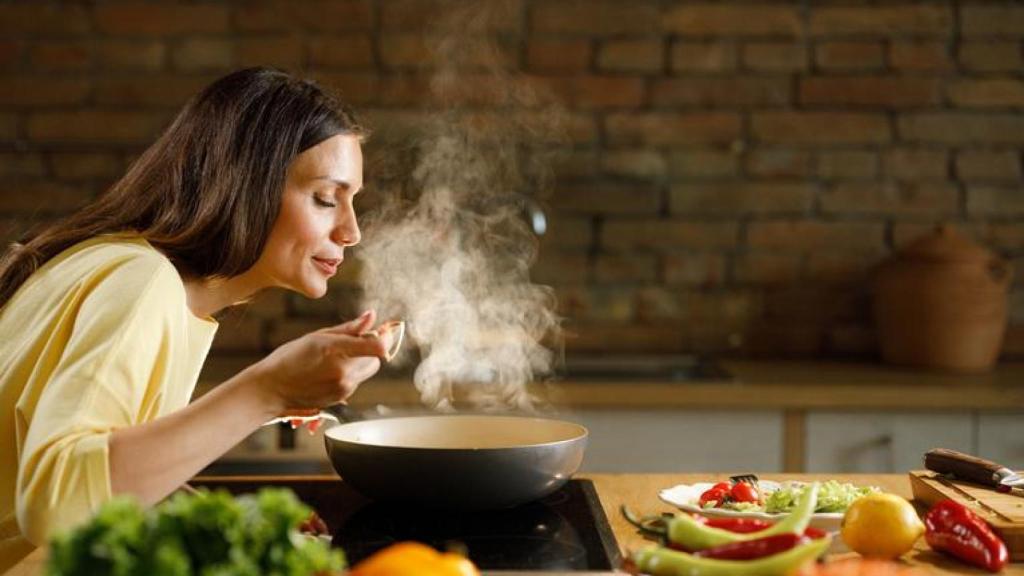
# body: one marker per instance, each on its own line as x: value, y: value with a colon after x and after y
x: 324, y: 203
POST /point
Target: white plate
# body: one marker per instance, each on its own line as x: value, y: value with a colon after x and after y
x: 686, y: 497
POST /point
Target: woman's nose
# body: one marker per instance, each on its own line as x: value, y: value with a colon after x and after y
x: 347, y: 232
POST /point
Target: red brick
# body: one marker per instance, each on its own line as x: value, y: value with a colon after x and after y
x: 665, y: 128
x: 199, y: 54
x: 416, y: 51
x: 1006, y: 237
x: 998, y: 201
x: 278, y: 51
x: 333, y: 15
x: 841, y: 266
x: 733, y: 20
x: 405, y: 89
x: 623, y: 234
x: 353, y: 88
x: 606, y: 199
x: 985, y: 165
x: 703, y: 56
x: 901, y: 20
x: 76, y: 166
x: 11, y: 54
x: 21, y: 164
x: 703, y: 163
x: 626, y: 268
x: 567, y: 233
x: 644, y: 164
x: 891, y: 198
x: 767, y: 267
x: 346, y: 51
x: 61, y: 56
x: 499, y: 17
x: 847, y: 164
x: 775, y: 56
x: 920, y: 55
x: 141, y: 55
x: 996, y: 92
x: 473, y: 90
x: 703, y: 269
x: 598, y: 303
x: 961, y: 128
x: 980, y: 20
x: 631, y: 56
x: 160, y: 19
x: 800, y: 235
x: 916, y: 164
x: 596, y: 18
x: 42, y: 91
x: 561, y: 267
x: 94, y: 126
x: 850, y: 55
x: 741, y: 197
x: 997, y: 56
x: 38, y: 18
x: 730, y: 91
x: 556, y: 55
x: 262, y: 15
x: 871, y: 91
x: 34, y: 196
x: 821, y: 127
x: 8, y: 127
x: 607, y: 92
x: 778, y: 162
x: 163, y: 90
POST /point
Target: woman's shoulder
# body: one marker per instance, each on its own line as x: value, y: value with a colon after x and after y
x: 124, y: 260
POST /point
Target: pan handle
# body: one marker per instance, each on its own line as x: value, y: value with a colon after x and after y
x: 964, y: 466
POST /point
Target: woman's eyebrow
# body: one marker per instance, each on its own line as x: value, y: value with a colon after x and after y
x: 336, y: 181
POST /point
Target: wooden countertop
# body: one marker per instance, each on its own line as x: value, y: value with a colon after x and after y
x: 640, y: 493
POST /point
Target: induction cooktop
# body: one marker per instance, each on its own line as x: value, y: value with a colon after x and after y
x: 565, y: 532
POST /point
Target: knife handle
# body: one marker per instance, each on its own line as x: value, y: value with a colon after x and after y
x: 964, y: 466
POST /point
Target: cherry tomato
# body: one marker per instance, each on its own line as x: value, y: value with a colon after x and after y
x: 743, y: 492
x: 716, y: 493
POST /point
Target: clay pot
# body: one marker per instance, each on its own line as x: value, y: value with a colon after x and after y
x: 941, y: 303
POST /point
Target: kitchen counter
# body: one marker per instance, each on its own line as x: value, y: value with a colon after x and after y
x: 640, y: 493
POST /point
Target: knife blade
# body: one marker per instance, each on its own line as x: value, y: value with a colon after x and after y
x: 973, y: 468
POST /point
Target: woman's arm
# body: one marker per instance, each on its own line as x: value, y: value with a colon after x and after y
x: 151, y: 460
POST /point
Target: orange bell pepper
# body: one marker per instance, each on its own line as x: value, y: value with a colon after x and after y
x: 414, y: 559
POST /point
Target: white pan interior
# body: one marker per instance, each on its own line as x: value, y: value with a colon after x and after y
x: 457, y: 432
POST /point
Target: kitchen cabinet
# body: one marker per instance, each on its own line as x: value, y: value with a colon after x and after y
x: 681, y: 440
x: 1001, y: 438
x: 872, y: 441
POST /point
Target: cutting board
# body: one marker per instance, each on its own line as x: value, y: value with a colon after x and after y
x: 1004, y: 512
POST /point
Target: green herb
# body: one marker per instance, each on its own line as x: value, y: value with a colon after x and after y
x: 202, y: 534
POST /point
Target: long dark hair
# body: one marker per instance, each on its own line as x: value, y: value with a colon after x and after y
x: 207, y: 192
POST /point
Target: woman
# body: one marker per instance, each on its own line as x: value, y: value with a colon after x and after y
x: 106, y: 316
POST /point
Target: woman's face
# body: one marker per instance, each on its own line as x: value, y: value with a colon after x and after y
x: 317, y: 220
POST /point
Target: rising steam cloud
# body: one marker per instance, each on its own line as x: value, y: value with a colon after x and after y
x: 450, y: 252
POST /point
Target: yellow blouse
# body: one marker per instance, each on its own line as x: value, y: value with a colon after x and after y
x: 99, y: 338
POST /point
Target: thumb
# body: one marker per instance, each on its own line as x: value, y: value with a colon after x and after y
x: 356, y: 326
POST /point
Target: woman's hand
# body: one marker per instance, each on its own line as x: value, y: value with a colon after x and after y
x: 321, y: 368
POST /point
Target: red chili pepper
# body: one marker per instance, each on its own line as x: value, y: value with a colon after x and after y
x: 752, y: 549
x: 738, y: 525
x: 952, y: 528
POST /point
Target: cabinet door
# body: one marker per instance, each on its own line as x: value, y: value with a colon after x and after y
x: 681, y: 440
x: 1001, y: 438
x: 882, y: 441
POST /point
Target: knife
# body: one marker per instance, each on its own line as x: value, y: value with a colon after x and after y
x: 967, y: 467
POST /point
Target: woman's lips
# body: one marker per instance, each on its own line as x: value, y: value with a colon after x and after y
x: 328, y: 266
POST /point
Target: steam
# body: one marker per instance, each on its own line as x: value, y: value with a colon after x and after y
x: 450, y: 251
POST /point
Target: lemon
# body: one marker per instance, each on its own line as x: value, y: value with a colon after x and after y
x: 881, y: 526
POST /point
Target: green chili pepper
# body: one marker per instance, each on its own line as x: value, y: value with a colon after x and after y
x: 660, y: 561
x: 691, y: 534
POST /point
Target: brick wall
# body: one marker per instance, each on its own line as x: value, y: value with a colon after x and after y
x: 731, y: 173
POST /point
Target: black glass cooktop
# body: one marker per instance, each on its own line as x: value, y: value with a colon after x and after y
x: 566, y: 531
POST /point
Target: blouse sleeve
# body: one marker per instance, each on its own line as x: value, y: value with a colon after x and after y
x: 116, y: 348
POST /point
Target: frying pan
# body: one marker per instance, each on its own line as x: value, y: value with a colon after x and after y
x: 457, y: 461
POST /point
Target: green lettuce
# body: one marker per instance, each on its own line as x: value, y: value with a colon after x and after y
x: 833, y: 496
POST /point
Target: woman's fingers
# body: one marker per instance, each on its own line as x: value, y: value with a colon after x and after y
x: 346, y: 346
x: 356, y: 326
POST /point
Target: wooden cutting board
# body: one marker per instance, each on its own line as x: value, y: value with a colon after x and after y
x: 1003, y: 511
